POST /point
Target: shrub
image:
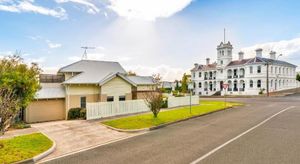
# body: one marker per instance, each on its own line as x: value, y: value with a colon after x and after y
x: 164, y: 103
x: 20, y: 125
x: 83, y: 113
x: 261, y: 91
x: 74, y: 113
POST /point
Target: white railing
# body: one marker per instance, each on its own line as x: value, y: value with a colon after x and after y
x: 107, y: 109
x: 182, y: 101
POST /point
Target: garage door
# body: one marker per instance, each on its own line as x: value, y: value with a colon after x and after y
x: 45, y: 110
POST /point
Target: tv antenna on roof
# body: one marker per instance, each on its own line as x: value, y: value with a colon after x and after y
x: 84, y: 56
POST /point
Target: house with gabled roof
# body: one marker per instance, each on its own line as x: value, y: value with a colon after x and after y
x: 82, y: 82
x: 250, y: 76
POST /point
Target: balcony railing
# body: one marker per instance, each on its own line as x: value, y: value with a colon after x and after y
x: 235, y: 89
x: 229, y: 77
x: 242, y: 76
x: 242, y: 89
x: 235, y: 76
x: 229, y: 89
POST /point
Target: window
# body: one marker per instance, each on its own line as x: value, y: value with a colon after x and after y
x: 82, y: 102
x: 258, y: 69
x: 272, y: 70
x: 221, y: 61
x: 122, y: 98
x: 258, y: 83
x: 251, y: 69
x: 221, y: 71
x: 251, y: 83
x: 200, y: 74
x: 193, y: 74
x: 279, y: 70
x: 200, y: 85
x: 110, y: 98
x: 200, y: 93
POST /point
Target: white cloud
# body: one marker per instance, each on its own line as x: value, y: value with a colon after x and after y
x: 286, y: 47
x: 147, y: 9
x: 28, y: 6
x: 53, y: 45
x: 167, y: 72
x: 91, y: 8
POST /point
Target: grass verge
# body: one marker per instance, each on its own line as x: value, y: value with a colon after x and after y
x: 147, y: 120
x: 23, y: 147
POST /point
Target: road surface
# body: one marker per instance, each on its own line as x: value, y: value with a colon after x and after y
x: 218, y: 138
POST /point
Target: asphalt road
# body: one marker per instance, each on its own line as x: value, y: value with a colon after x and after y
x: 275, y: 141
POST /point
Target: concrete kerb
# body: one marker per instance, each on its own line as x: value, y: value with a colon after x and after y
x: 39, y: 156
x: 163, y: 125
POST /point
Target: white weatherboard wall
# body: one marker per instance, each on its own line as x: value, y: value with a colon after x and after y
x: 182, y: 101
x: 107, y: 109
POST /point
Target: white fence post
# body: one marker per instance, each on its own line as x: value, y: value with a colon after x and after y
x: 107, y: 109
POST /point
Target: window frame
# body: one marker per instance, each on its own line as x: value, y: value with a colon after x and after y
x: 83, y: 102
x: 122, y: 98
x: 110, y: 99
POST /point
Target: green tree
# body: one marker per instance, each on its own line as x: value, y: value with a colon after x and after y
x: 20, y: 78
x: 18, y: 86
x: 298, y: 77
x: 184, y: 83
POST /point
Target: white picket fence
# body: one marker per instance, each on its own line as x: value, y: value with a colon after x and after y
x: 182, y: 101
x: 107, y: 109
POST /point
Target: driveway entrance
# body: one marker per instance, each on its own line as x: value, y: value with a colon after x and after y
x: 72, y: 136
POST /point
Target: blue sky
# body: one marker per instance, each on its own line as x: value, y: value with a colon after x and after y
x: 146, y: 36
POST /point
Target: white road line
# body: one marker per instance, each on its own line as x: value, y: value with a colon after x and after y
x: 240, y: 135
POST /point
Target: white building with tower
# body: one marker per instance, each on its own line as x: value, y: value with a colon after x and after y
x: 243, y: 76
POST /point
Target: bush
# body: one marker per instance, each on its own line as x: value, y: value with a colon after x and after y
x: 20, y: 125
x: 164, y: 103
x: 76, y: 113
x: 261, y: 91
x: 83, y: 113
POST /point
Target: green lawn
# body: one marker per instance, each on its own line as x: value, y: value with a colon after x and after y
x: 147, y: 120
x: 23, y: 147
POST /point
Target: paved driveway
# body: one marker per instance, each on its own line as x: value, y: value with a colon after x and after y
x: 71, y: 136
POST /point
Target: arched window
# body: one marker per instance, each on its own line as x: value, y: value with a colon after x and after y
x: 251, y: 83
x: 258, y: 69
x: 258, y: 83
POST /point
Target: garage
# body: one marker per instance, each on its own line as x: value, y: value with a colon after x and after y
x: 45, y: 110
x: 49, y: 104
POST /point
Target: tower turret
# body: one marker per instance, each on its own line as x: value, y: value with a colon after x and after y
x: 224, y: 54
